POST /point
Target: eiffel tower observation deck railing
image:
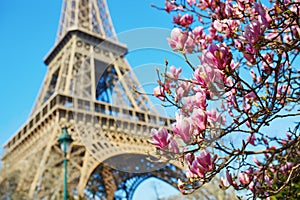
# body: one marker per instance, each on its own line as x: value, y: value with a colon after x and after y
x: 112, y: 117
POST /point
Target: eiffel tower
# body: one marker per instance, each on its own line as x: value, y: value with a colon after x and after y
x: 88, y: 89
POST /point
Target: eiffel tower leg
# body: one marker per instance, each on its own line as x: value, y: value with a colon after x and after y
x: 109, y: 182
x: 41, y: 167
x: 88, y: 165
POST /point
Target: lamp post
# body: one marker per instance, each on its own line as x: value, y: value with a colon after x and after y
x: 65, y: 140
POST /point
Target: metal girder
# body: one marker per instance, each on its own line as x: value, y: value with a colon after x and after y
x: 91, y: 16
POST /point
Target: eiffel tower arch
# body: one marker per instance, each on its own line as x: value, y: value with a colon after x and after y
x: 88, y: 88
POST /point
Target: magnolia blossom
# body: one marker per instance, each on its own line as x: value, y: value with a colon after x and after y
x: 263, y: 16
x: 178, y: 39
x: 251, y: 139
x: 183, y: 89
x: 231, y: 98
x: 200, y: 38
x: 249, y: 54
x: 199, y: 119
x: 182, y: 127
x: 217, y: 55
x: 159, y: 93
x: 256, y: 161
x: 207, y: 76
x: 160, y: 138
x: 191, y: 2
x: 190, y: 157
x: 169, y: 6
x: 230, y: 179
x: 173, y: 146
x: 202, y: 164
x: 238, y: 44
x: 285, y: 168
x: 199, y: 33
x: 203, y: 4
x: 174, y: 73
x: 253, y: 32
x: 226, y: 26
x: 184, y: 20
x: 195, y: 101
x: 213, y: 117
x: 244, y: 178
x: 181, y: 41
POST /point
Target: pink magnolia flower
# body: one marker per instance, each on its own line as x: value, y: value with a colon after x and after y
x: 201, y: 78
x: 169, y: 6
x: 226, y: 26
x: 248, y: 123
x: 206, y: 75
x: 250, y: 95
x: 289, y: 137
x: 184, y: 20
x: 224, y: 183
x: 198, y: 33
x: 182, y: 127
x: 256, y: 161
x: 231, y: 98
x: 287, y: 167
x: 250, y: 54
x: 253, y: 32
x: 189, y: 45
x: 174, y: 73
x: 183, y: 89
x: 181, y: 41
x: 254, y: 186
x: 268, y: 181
x: 176, y: 19
x: 159, y: 93
x: 202, y: 164
x: 218, y: 56
x: 205, y: 160
x: 191, y: 2
x: 249, y: 57
x: 190, y: 157
x: 173, y: 146
x: 195, y: 101
x: 212, y: 34
x: 238, y: 44
x: 213, y: 117
x: 160, y: 138
x: 244, y: 178
x: 230, y: 180
x: 263, y: 15
x: 199, y: 119
x: 229, y: 9
x: 218, y: 25
x: 177, y: 40
x: 203, y: 4
x: 251, y: 139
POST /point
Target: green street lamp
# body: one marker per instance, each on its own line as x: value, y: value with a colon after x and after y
x: 65, y: 140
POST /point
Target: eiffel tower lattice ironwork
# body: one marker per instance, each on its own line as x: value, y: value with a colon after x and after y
x: 88, y: 89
